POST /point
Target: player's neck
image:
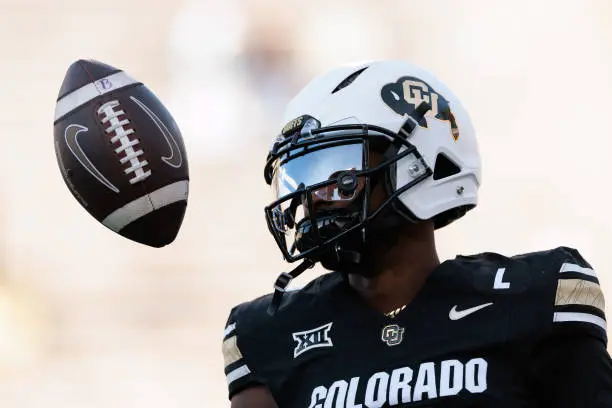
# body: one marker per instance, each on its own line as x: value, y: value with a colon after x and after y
x: 402, y: 272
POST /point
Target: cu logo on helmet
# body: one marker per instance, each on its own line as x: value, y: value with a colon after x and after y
x: 409, y: 92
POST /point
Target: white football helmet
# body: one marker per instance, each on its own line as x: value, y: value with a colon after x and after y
x: 430, y: 160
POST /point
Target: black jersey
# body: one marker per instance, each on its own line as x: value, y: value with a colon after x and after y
x: 482, y: 332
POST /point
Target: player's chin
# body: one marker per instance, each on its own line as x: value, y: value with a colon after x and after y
x: 363, y: 269
x: 352, y: 260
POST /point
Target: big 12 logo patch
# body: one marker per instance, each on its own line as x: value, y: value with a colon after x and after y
x: 404, y: 95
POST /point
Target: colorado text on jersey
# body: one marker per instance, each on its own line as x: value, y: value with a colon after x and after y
x: 403, y: 385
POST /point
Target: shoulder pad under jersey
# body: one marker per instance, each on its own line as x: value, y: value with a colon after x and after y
x: 552, y: 292
x: 259, y: 348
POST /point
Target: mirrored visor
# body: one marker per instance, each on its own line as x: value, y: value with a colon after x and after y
x: 316, y: 167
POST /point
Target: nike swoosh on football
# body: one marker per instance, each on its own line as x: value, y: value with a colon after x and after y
x: 455, y: 314
x: 175, y: 159
x: 70, y: 135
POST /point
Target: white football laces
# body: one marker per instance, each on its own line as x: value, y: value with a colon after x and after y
x: 110, y: 113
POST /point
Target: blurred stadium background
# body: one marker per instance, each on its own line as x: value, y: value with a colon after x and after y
x: 89, y: 319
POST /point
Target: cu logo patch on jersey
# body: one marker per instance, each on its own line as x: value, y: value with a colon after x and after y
x: 409, y: 92
x: 392, y: 334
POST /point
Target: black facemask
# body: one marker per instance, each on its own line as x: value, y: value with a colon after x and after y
x: 306, y: 165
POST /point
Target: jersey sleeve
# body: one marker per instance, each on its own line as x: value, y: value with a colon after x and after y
x: 569, y: 365
x: 239, y: 373
x: 573, y: 371
x: 579, y: 306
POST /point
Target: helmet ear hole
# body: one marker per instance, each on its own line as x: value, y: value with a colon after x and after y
x: 444, y: 167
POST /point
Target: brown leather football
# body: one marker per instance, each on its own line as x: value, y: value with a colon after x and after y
x: 120, y: 153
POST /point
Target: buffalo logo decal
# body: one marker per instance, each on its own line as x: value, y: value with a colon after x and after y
x: 409, y: 92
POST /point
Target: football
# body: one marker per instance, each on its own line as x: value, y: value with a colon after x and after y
x: 121, y: 153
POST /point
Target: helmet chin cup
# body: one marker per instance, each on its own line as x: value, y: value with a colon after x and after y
x: 330, y: 225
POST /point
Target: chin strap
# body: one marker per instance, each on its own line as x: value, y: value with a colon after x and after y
x: 280, y: 286
x: 348, y: 256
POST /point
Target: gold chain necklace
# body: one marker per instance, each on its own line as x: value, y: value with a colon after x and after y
x: 395, y: 312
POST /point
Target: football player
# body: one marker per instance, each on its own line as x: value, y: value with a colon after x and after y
x: 373, y: 159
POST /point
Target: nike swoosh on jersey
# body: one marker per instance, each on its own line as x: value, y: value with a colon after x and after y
x: 175, y: 159
x: 70, y: 135
x: 455, y: 314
